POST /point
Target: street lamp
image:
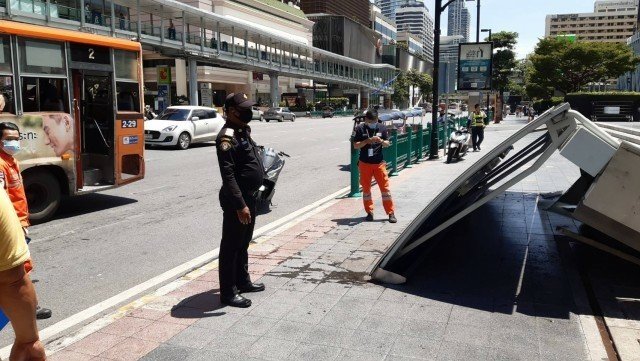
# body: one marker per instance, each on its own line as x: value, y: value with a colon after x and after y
x: 489, y: 92
x: 485, y: 31
x: 439, y: 9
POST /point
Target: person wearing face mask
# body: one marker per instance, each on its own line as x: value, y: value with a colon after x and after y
x: 242, y: 175
x: 370, y: 137
x: 11, y: 182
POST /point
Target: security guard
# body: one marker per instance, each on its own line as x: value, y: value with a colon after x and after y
x: 242, y: 174
x: 476, y: 120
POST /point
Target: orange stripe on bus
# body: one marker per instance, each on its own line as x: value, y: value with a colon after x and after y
x: 43, y: 32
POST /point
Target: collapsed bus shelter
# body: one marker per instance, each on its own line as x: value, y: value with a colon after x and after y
x: 605, y: 197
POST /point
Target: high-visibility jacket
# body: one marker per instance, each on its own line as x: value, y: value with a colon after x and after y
x: 11, y: 182
x: 477, y: 120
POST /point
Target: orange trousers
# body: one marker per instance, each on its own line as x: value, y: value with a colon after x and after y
x: 379, y: 172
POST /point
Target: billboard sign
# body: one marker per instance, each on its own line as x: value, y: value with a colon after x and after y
x: 474, y: 66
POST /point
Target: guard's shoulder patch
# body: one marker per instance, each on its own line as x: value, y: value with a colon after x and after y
x: 229, y: 132
x: 225, y: 145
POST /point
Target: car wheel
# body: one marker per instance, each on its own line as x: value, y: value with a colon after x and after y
x: 184, y: 141
x: 293, y: 119
x: 267, y: 120
x: 262, y: 119
x: 280, y: 119
x: 43, y: 195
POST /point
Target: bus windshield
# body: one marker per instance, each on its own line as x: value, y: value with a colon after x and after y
x: 174, y: 114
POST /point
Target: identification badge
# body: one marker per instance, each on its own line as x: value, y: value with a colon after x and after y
x: 370, y: 152
x: 378, y: 134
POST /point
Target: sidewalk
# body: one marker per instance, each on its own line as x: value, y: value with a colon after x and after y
x: 495, y: 290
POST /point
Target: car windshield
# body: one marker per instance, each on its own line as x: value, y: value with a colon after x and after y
x: 275, y: 109
x: 174, y: 114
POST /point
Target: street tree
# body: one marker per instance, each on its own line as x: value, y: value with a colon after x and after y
x: 559, y: 64
x: 406, y: 79
x: 504, y: 62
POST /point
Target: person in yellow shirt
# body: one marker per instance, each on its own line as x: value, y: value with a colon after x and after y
x: 17, y: 295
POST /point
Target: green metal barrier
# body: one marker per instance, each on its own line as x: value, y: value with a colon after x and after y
x: 355, y: 172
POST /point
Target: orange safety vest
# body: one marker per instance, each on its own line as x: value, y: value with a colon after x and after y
x: 11, y: 181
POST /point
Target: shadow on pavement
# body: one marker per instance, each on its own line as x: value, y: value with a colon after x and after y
x: 89, y: 203
x: 501, y: 258
x: 344, y: 168
x: 202, y: 305
x: 350, y: 222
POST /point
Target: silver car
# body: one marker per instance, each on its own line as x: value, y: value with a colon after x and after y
x: 180, y: 126
x: 279, y: 114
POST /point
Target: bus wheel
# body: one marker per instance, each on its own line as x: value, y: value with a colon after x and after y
x: 43, y: 195
x: 184, y: 141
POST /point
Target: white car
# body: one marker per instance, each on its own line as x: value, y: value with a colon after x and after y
x: 180, y: 126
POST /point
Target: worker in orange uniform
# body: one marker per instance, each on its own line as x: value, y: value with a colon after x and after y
x: 11, y: 182
x: 370, y: 137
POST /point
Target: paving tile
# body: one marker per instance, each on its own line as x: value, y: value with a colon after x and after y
x: 509, y: 338
x: 382, y: 324
x: 159, y: 331
x: 354, y: 355
x: 309, y: 352
x: 218, y: 322
x: 130, y: 349
x: 232, y: 343
x: 272, y: 309
x: 251, y: 325
x: 195, y: 337
x: 452, y: 351
x: 429, y: 313
x: 514, y: 354
x: 414, y: 347
x: 424, y: 329
x: 96, y: 343
x: 328, y: 336
x: 365, y: 291
x: 469, y: 316
x: 289, y: 330
x: 343, y: 318
x: 374, y: 342
x: 271, y: 349
x: 67, y: 355
x: 168, y: 353
x: 312, y: 308
x: 126, y: 326
x: 391, y: 309
x: 146, y: 313
x: 477, y: 336
x: 183, y: 316
x: 332, y: 288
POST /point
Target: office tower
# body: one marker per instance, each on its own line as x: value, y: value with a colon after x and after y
x: 459, y: 20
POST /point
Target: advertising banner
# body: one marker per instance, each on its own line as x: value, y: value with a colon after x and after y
x: 164, y: 75
x: 474, y: 66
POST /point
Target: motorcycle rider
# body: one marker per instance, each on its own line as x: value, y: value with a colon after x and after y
x: 370, y: 137
x: 242, y: 174
x: 476, y: 123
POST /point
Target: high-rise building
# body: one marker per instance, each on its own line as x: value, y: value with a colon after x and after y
x: 389, y: 7
x: 382, y: 25
x: 610, y: 21
x: 414, y: 17
x: 449, y: 62
x: 356, y: 10
x: 459, y: 20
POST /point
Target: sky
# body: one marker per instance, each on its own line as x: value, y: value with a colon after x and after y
x: 526, y: 17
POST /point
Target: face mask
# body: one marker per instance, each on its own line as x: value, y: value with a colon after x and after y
x: 245, y: 115
x: 11, y: 147
x: 373, y: 125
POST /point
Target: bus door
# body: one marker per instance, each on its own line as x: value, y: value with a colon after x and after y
x: 93, y: 102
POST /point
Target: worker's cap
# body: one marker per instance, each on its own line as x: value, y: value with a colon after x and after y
x: 238, y: 100
x: 370, y: 114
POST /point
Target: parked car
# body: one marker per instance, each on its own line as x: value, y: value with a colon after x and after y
x: 181, y: 126
x: 257, y: 114
x: 327, y: 112
x: 279, y: 114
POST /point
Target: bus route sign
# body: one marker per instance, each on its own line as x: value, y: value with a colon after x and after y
x: 475, y: 66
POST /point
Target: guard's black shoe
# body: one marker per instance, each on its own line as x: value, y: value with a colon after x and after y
x: 43, y: 313
x: 251, y: 287
x: 392, y: 218
x: 236, y: 301
x: 479, y: 148
x: 369, y: 217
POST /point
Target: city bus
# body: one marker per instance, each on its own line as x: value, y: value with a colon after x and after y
x: 77, y: 98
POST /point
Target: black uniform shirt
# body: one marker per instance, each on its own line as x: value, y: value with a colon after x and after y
x: 240, y: 164
x: 363, y: 132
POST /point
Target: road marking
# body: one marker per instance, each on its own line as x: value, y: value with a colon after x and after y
x: 264, y: 231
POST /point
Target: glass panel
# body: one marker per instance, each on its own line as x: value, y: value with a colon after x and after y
x: 7, y: 104
x: 44, y: 94
x: 128, y: 96
x: 126, y: 65
x: 41, y: 57
x: 5, y: 54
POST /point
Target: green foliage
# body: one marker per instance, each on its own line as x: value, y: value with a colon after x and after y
x: 543, y: 105
x: 422, y: 81
x: 612, y: 93
x: 504, y: 59
x: 558, y: 64
x: 401, y: 85
x: 334, y: 102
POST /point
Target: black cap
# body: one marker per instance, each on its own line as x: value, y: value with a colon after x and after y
x: 238, y: 100
x: 370, y: 114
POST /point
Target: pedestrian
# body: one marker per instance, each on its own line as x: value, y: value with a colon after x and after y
x: 172, y: 30
x: 87, y: 13
x: 476, y: 123
x: 148, y: 113
x: 532, y: 113
x: 11, y: 182
x: 370, y: 137
x: 242, y: 174
x: 122, y: 21
x: 17, y: 295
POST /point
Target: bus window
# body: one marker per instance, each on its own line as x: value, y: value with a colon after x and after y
x: 126, y: 65
x: 7, y: 103
x: 5, y: 55
x: 41, y: 57
x: 43, y: 94
x: 128, y: 97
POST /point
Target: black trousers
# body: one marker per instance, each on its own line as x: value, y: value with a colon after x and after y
x: 477, y: 136
x: 233, y: 261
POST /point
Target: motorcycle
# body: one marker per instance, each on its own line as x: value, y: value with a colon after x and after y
x: 458, y: 144
x: 273, y: 162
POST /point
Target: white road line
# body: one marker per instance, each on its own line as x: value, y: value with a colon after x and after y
x: 175, y: 272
